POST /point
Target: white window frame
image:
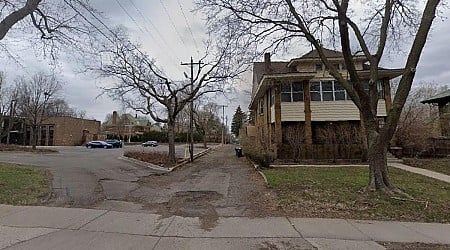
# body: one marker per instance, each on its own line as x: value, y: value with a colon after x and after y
x: 292, y: 92
x: 346, y: 96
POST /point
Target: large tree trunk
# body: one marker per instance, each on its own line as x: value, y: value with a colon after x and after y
x: 171, y: 138
x: 378, y: 172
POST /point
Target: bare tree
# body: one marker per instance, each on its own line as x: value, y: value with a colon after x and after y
x: 141, y: 86
x: 33, y: 99
x: 49, y: 25
x: 281, y: 23
x: 294, y: 135
x: 59, y: 107
x: 7, y: 102
x: 418, y: 121
x: 206, y: 120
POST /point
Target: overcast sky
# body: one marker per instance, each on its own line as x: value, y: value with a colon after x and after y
x: 171, y: 33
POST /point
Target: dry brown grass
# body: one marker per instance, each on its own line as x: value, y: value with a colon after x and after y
x: 157, y: 158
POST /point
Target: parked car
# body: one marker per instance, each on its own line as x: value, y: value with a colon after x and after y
x: 98, y: 144
x: 150, y: 144
x: 114, y: 142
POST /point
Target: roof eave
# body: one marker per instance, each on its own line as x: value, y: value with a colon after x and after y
x: 295, y: 61
x: 266, y: 82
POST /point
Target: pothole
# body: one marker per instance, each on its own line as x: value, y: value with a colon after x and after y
x: 191, y: 204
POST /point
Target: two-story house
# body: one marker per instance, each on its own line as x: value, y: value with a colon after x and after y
x: 301, y: 111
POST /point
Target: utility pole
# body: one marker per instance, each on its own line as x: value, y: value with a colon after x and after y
x: 226, y: 128
x: 191, y: 109
x: 223, y: 122
x: 11, y: 119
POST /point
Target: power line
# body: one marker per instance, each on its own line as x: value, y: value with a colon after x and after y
x: 130, y: 16
x: 107, y: 28
x: 173, y: 59
x: 188, y: 26
x: 172, y: 22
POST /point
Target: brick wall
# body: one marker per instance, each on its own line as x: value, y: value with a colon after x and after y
x: 69, y: 130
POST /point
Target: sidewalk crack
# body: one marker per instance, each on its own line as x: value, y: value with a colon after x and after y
x: 293, y: 226
x: 79, y: 228
x: 162, y: 235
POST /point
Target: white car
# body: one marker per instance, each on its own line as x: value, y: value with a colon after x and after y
x: 150, y: 144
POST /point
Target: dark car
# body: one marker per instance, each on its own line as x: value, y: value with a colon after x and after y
x: 150, y: 144
x: 98, y: 144
x: 114, y: 142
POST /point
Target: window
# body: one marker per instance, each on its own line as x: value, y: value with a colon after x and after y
x: 315, y: 91
x: 292, y: 92
x: 339, y: 92
x: 286, y: 92
x: 261, y: 106
x: 319, y: 67
x: 297, y: 92
x: 328, y: 90
x: 272, y: 97
x: 380, y: 88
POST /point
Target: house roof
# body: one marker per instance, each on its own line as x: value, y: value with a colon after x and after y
x: 328, y: 53
x: 443, y: 97
x: 264, y: 78
x: 313, y: 55
x: 259, y: 69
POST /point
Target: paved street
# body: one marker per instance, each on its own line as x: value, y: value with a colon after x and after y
x: 84, y: 177
x: 42, y: 228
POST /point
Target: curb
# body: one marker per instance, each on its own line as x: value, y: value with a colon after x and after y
x: 317, y: 165
x: 143, y: 163
x: 259, y: 171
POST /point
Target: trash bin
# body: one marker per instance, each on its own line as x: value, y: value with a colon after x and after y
x: 238, y: 151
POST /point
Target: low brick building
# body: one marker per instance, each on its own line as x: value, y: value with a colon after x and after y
x: 68, y: 131
x: 57, y: 131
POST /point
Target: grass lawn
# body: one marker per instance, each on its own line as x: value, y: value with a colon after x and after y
x: 21, y: 185
x: 441, y: 165
x: 340, y: 193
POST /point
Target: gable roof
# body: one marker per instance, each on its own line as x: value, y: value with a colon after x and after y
x: 328, y: 53
x: 442, y: 97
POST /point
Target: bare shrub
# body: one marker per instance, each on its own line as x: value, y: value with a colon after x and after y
x: 259, y: 154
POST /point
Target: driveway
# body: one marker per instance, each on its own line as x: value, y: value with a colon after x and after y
x: 85, y: 177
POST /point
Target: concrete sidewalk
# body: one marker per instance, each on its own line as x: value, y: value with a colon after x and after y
x: 421, y: 171
x: 74, y: 228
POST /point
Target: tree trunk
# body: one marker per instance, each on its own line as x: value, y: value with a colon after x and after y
x: 204, y: 140
x: 33, y: 138
x: 171, y: 138
x: 378, y: 170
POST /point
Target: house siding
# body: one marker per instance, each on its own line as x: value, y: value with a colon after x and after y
x: 292, y: 111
